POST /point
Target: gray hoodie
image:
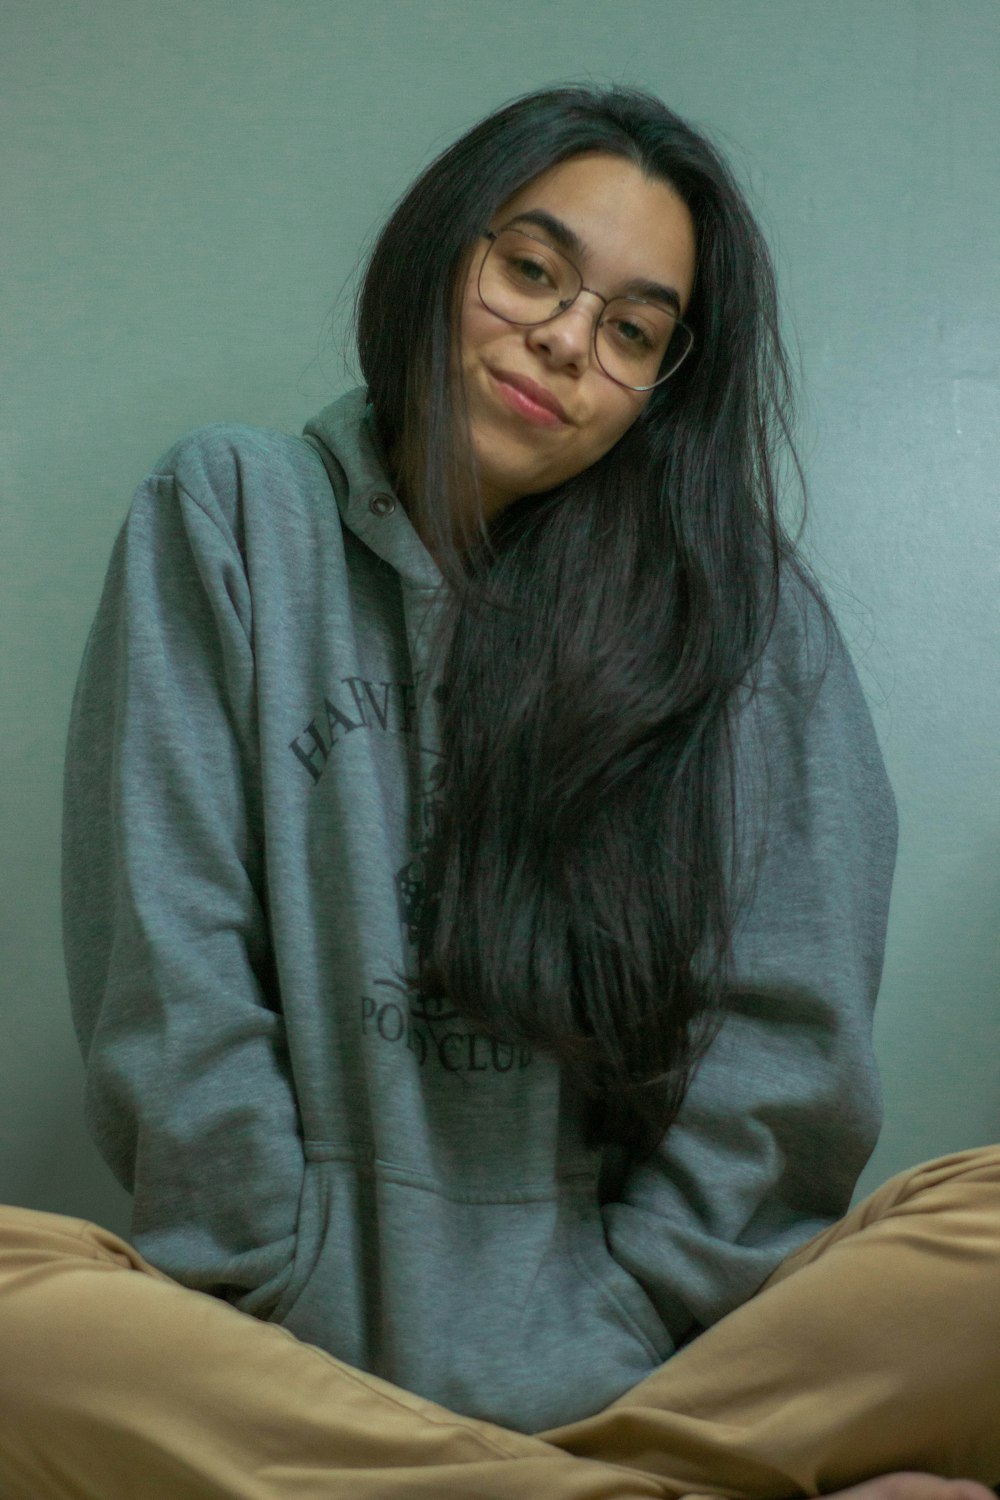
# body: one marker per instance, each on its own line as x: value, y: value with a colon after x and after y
x: 249, y: 788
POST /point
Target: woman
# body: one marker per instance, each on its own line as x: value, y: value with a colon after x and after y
x: 477, y: 865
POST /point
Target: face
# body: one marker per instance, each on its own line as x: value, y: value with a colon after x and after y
x: 631, y: 228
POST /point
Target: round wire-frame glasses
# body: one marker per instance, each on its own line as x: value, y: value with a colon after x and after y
x: 679, y: 343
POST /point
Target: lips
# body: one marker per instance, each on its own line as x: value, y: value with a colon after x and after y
x: 533, y: 391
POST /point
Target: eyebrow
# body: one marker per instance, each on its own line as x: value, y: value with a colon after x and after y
x: 569, y: 241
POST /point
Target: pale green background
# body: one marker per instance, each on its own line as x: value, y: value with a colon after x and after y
x: 188, y: 187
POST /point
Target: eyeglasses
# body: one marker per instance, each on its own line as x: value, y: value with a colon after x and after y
x: 523, y: 280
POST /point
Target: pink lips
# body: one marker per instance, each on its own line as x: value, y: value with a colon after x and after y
x: 529, y: 399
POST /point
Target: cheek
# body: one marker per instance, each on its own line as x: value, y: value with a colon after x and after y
x: 481, y: 329
x: 478, y: 325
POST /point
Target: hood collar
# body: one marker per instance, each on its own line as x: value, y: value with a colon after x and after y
x: 344, y: 435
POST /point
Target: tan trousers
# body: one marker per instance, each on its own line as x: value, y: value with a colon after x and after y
x: 875, y: 1347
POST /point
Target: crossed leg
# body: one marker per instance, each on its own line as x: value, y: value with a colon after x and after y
x: 874, y: 1348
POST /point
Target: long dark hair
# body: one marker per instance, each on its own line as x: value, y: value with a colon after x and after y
x: 582, y: 886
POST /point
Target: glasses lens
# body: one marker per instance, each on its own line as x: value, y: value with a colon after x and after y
x: 524, y: 280
x: 640, y: 343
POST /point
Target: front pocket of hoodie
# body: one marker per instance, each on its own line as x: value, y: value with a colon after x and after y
x: 308, y: 1242
x: 512, y: 1311
x: 594, y: 1261
x: 334, y: 1289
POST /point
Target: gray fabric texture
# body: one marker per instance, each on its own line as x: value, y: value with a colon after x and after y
x: 250, y: 784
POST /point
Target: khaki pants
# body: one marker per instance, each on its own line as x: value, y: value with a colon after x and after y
x: 875, y: 1347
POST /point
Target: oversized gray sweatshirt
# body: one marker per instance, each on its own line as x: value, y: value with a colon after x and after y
x: 250, y: 785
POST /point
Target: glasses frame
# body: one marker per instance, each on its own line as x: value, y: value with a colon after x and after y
x: 566, y: 303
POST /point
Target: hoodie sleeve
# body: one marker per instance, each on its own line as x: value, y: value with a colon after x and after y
x: 188, y: 1089
x: 785, y: 1109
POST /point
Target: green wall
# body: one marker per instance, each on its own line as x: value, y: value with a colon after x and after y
x: 188, y: 187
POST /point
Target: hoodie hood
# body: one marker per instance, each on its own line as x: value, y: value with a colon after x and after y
x: 344, y: 436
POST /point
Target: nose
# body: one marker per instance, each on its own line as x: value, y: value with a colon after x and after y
x: 568, y: 338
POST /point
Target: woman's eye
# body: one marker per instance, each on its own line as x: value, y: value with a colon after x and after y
x: 631, y: 333
x: 530, y: 270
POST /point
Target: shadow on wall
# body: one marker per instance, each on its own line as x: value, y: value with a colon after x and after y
x: 57, y: 1166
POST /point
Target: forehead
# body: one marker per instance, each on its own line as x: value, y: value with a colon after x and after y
x: 627, y: 225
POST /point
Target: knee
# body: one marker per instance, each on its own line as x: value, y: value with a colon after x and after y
x: 30, y: 1232
x: 974, y: 1173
